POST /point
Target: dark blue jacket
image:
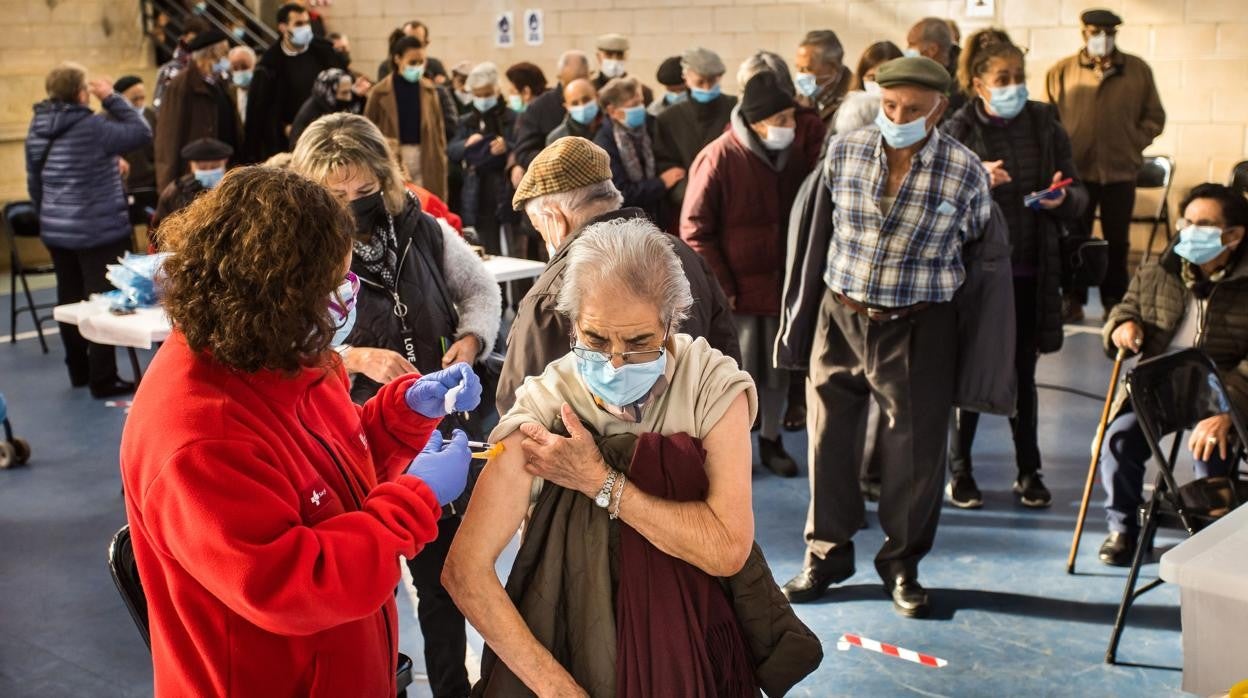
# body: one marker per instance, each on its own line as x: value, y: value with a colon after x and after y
x: 79, y: 193
x: 647, y: 194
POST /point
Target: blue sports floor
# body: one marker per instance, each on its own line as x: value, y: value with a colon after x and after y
x: 1007, y: 618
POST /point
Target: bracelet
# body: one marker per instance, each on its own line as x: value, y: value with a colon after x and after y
x: 603, y: 500
x: 619, y: 498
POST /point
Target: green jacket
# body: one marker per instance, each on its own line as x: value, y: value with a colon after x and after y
x: 1158, y: 298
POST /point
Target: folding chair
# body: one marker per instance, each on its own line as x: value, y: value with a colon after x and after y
x: 125, y: 573
x: 1157, y: 173
x: 1239, y: 178
x: 23, y: 221
x: 1169, y: 395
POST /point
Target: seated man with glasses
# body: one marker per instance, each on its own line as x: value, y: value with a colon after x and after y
x: 628, y: 375
x: 1195, y: 295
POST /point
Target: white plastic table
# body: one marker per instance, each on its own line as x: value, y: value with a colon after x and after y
x: 512, y: 269
x: 1211, y: 569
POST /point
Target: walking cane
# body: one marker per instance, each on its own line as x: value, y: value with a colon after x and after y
x: 1096, y: 456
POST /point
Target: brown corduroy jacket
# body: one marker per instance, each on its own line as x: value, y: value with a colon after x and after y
x: 1158, y: 298
x: 1111, y: 117
x: 383, y: 109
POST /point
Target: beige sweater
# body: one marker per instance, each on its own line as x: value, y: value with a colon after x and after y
x: 704, y: 384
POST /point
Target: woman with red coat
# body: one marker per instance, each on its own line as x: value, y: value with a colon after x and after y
x: 735, y: 214
x: 267, y: 512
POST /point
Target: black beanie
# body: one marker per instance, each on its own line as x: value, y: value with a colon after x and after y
x: 125, y: 82
x: 670, y: 72
x: 763, y: 97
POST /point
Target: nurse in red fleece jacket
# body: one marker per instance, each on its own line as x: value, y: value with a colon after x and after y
x: 268, y: 512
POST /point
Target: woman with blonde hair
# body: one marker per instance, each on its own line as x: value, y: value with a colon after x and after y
x: 426, y: 302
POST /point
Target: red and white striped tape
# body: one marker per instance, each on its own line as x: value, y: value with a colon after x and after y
x: 867, y: 643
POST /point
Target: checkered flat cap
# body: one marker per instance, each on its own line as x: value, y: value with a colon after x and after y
x: 568, y: 163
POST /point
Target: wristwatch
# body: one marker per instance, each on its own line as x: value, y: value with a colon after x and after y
x: 342, y: 350
x: 603, y: 500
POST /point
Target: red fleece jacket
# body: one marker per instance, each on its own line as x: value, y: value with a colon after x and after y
x: 268, y: 514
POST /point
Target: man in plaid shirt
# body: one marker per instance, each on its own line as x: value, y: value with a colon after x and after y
x: 904, y: 201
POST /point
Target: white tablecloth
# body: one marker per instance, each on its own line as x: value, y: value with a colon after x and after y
x: 1211, y: 569
x: 140, y: 330
x: 148, y: 326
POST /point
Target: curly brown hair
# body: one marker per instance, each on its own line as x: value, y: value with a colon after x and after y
x: 253, y: 263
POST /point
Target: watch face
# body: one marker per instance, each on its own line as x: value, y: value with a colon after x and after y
x: 602, y: 500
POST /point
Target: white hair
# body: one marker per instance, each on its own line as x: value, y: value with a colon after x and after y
x: 580, y: 204
x: 766, y: 60
x: 568, y: 56
x: 483, y: 75
x: 245, y: 50
x: 626, y: 257
x: 857, y: 110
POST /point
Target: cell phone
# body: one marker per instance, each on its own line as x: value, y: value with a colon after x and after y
x: 1033, y: 199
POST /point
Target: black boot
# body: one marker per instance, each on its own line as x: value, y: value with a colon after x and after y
x: 775, y: 458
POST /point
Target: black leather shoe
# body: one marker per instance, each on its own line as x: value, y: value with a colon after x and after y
x: 810, y: 584
x: 775, y: 458
x: 910, y: 598
x: 1118, y: 550
x: 113, y: 388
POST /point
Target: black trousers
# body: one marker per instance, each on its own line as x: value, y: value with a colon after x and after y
x: 441, y: 623
x: 79, y: 273
x: 906, y: 367
x: 1024, y: 423
x: 1116, y: 202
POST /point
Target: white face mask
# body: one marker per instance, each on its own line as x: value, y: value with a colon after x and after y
x: 612, y: 68
x: 1100, y: 45
x: 871, y: 87
x: 779, y: 137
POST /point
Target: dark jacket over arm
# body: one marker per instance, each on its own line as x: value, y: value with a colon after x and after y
x: 543, y: 115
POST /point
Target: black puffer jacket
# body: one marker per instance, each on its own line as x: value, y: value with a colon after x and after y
x: 426, y: 316
x: 968, y: 126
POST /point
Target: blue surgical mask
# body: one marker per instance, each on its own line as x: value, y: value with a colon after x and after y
x: 201, y: 7
x: 484, y: 104
x: 1008, y: 101
x: 515, y: 103
x: 634, y: 117
x: 902, y: 135
x: 242, y: 78
x: 779, y: 137
x: 412, y: 73
x: 911, y: 53
x: 1199, y: 244
x: 342, y: 308
x: 222, y: 65
x: 584, y: 114
x: 703, y: 96
x: 210, y: 178
x: 675, y: 97
x: 621, y: 386
x: 301, y: 36
x: 239, y: 33
x: 806, y: 83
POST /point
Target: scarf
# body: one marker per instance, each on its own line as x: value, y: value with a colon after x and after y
x: 635, y: 152
x: 325, y: 89
x: 380, y: 254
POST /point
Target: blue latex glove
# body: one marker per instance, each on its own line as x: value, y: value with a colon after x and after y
x: 444, y: 465
x: 427, y: 396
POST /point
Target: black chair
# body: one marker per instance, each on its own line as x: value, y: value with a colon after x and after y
x: 1157, y: 172
x: 125, y: 573
x: 1169, y: 395
x: 23, y: 221
x: 1239, y: 178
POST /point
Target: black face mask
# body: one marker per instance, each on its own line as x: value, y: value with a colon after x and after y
x: 369, y: 212
x: 345, y: 56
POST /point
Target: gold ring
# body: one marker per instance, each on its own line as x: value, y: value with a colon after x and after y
x: 1212, y: 439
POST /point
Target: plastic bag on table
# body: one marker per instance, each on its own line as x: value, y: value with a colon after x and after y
x: 135, y: 278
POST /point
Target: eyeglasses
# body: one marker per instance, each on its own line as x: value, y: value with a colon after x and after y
x: 629, y: 357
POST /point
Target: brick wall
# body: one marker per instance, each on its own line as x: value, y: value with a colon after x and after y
x: 1198, y: 48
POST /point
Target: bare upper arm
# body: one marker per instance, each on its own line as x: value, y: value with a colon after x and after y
x: 728, y: 457
x: 498, y: 506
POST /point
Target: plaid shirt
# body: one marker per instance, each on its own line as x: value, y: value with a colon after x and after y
x: 914, y: 254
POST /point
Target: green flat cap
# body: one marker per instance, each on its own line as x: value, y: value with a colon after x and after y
x: 920, y: 71
x: 568, y: 163
x: 1100, y: 18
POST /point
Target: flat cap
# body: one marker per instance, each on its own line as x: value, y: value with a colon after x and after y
x: 669, y: 72
x: 568, y: 163
x: 702, y: 61
x: 917, y: 70
x: 125, y: 82
x: 206, y: 149
x: 205, y: 39
x: 612, y: 42
x: 1100, y: 18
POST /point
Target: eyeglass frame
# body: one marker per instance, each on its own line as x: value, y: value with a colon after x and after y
x: 602, y: 357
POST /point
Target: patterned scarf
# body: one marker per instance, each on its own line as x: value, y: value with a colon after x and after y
x: 635, y: 151
x: 381, y: 253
